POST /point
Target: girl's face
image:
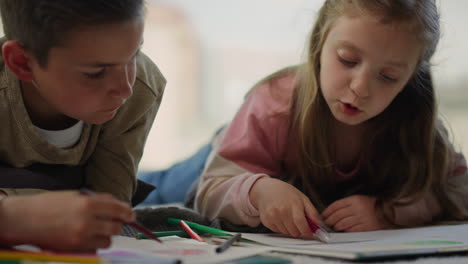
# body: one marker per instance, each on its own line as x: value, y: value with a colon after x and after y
x: 364, y: 64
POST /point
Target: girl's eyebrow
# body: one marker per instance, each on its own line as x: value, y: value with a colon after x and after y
x: 349, y: 45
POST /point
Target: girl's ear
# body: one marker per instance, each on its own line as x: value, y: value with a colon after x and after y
x: 17, y: 60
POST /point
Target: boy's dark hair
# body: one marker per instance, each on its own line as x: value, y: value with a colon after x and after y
x: 40, y: 25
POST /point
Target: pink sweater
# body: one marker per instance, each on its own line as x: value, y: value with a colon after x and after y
x: 255, y: 145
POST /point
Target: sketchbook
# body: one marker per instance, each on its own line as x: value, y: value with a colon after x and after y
x: 375, y: 245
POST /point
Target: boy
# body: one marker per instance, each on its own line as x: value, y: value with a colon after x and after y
x: 77, y: 97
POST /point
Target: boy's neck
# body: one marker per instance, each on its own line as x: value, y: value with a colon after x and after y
x: 40, y: 113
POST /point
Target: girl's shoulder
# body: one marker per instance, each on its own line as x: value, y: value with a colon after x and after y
x: 276, y: 91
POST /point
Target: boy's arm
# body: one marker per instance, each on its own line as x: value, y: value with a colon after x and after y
x: 114, y: 162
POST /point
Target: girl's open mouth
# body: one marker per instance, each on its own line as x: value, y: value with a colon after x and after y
x: 350, y: 109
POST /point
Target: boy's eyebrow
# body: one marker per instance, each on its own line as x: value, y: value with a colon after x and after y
x: 98, y: 64
x: 351, y: 46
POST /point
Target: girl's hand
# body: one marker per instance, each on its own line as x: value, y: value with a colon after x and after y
x: 64, y: 221
x: 283, y: 208
x: 356, y: 213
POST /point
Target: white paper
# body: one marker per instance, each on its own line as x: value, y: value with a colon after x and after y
x: 174, y: 248
x: 427, y: 240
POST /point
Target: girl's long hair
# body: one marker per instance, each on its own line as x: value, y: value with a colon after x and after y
x: 406, y: 154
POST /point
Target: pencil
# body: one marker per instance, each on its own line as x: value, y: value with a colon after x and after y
x: 179, y: 233
x: 135, y: 225
x: 228, y: 243
x: 190, y: 231
x: 199, y: 228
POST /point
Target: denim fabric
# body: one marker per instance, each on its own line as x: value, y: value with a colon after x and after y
x: 173, y: 183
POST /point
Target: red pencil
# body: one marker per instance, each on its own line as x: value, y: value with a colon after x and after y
x: 189, y: 231
x: 135, y: 225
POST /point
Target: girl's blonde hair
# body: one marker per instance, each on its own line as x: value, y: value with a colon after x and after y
x: 406, y: 155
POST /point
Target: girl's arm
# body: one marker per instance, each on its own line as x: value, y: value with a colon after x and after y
x: 428, y: 208
x: 250, y: 148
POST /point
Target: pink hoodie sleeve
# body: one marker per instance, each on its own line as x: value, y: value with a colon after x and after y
x: 251, y: 147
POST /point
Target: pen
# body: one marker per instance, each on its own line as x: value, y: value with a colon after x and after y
x: 228, y: 243
x: 135, y: 225
x: 190, y: 231
x: 319, y: 233
x: 199, y: 228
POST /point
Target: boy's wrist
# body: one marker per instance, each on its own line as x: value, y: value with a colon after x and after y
x: 3, y: 219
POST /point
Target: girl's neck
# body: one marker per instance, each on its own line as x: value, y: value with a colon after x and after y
x: 348, y: 144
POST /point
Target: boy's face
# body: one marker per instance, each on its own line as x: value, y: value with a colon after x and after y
x: 89, y: 77
x: 364, y: 65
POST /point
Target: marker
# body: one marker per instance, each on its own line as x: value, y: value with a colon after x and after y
x: 135, y: 225
x: 319, y: 233
x: 228, y: 243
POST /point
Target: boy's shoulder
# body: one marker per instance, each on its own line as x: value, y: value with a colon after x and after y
x: 149, y: 77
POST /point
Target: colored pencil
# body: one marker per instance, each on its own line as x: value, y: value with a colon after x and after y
x: 135, y: 225
x: 201, y: 229
x: 190, y: 231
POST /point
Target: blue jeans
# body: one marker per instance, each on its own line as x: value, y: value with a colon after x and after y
x: 173, y: 183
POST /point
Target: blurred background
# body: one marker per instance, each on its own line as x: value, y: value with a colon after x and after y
x: 212, y: 51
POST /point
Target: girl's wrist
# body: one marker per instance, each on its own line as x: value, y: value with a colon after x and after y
x: 255, y: 190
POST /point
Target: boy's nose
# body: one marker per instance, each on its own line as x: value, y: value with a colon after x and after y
x: 124, y: 84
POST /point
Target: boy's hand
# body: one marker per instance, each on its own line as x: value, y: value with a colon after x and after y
x: 356, y: 213
x: 64, y: 221
x: 282, y: 207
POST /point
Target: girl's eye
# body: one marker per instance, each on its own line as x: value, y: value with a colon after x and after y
x: 347, y: 63
x: 387, y: 78
x: 95, y: 75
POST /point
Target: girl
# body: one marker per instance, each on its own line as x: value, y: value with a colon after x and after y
x: 350, y: 137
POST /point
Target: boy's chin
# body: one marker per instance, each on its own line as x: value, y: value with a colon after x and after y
x: 98, y: 120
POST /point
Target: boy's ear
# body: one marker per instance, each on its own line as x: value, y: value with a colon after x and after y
x: 17, y: 60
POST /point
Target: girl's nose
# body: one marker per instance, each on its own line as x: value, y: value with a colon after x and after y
x: 360, y: 84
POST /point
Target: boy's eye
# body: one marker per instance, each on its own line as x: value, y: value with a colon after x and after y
x: 95, y: 75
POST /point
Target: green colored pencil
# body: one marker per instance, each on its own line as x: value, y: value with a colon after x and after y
x: 163, y: 234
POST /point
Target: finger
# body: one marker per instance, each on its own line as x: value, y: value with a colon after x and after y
x: 300, y: 221
x: 291, y: 225
x: 337, y: 205
x: 270, y: 225
x: 337, y: 216
x: 357, y: 228
x: 106, y: 227
x: 107, y: 207
x: 97, y: 242
x: 281, y: 228
x: 310, y: 211
x: 346, y: 223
